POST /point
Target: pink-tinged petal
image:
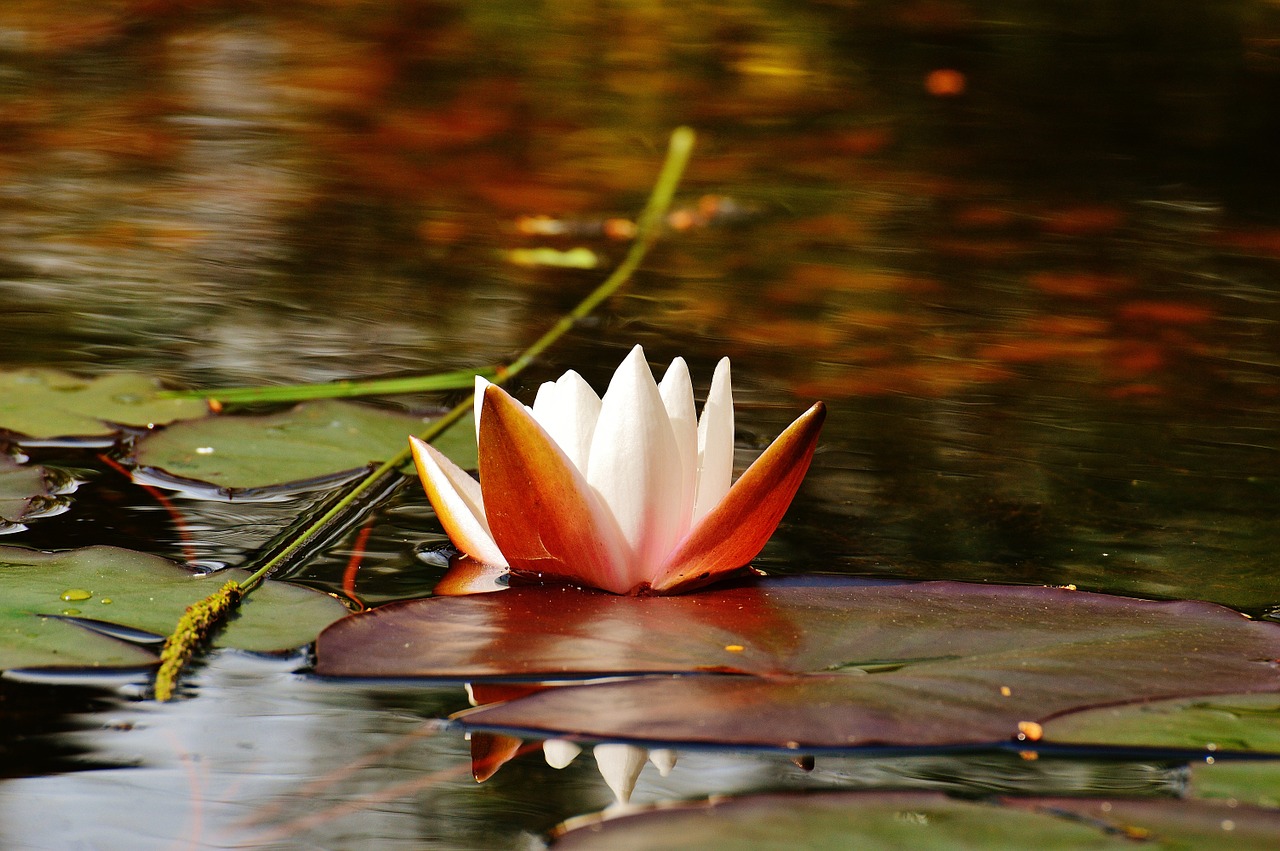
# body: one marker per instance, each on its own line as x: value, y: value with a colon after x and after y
x: 737, y: 529
x: 568, y: 409
x: 544, y: 516
x: 456, y: 497
x: 634, y: 466
x: 491, y: 751
x: 715, y: 443
x: 677, y: 395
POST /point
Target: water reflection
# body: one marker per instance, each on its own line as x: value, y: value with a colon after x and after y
x: 263, y: 758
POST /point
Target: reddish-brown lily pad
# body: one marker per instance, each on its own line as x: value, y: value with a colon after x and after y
x: 831, y: 666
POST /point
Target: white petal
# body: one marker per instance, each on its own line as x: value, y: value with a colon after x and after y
x: 635, y: 466
x: 715, y: 443
x: 545, y: 404
x: 457, y: 500
x: 568, y: 410
x: 677, y: 395
x: 663, y: 759
x: 560, y: 752
x: 481, y: 384
x: 620, y: 766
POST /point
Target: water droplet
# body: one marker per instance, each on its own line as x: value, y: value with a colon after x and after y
x: 106, y: 601
x: 75, y: 595
x: 71, y: 612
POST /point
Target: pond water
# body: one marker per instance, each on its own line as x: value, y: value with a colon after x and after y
x: 1028, y: 257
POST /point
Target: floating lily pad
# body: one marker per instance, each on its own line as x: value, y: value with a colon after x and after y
x: 1254, y: 782
x: 1238, y: 722
x: 53, y: 607
x: 833, y: 666
x: 310, y: 443
x: 49, y: 406
x: 926, y: 820
x: 29, y: 492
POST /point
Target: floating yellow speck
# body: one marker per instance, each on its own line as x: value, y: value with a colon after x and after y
x: 734, y: 648
x: 1029, y: 731
x: 1029, y: 756
x: 1005, y: 691
x: 204, y: 450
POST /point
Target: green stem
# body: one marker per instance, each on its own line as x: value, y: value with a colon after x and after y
x: 368, y: 483
x: 337, y: 389
x: 189, y: 634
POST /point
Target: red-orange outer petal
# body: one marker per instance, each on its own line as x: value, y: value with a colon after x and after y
x: 737, y: 529
x: 541, y: 511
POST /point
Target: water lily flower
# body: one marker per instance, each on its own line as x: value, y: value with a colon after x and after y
x: 630, y: 493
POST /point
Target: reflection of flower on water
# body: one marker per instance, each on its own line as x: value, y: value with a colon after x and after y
x: 630, y: 493
x: 619, y: 763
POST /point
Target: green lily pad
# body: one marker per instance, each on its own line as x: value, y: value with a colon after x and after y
x: 1239, y: 781
x: 50, y: 406
x: 51, y: 603
x: 29, y: 492
x: 826, y: 666
x: 923, y: 820
x: 1237, y: 722
x: 308, y: 444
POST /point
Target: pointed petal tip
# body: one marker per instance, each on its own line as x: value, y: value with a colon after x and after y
x: 620, y: 766
x: 491, y: 751
x: 663, y: 759
x: 559, y: 753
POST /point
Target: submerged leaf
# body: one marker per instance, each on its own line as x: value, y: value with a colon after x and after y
x: 310, y: 442
x: 47, y: 405
x: 62, y: 608
x: 28, y: 492
x: 837, y: 665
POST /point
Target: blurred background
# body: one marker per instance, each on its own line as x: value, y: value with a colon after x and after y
x: 1029, y: 253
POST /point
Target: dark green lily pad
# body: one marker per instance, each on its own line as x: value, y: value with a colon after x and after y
x: 29, y: 492
x: 925, y: 820
x: 833, y: 666
x: 50, y: 603
x: 307, y: 444
x: 1236, y: 722
x: 50, y: 406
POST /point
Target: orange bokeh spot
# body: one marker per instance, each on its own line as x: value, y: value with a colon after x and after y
x: 945, y: 82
